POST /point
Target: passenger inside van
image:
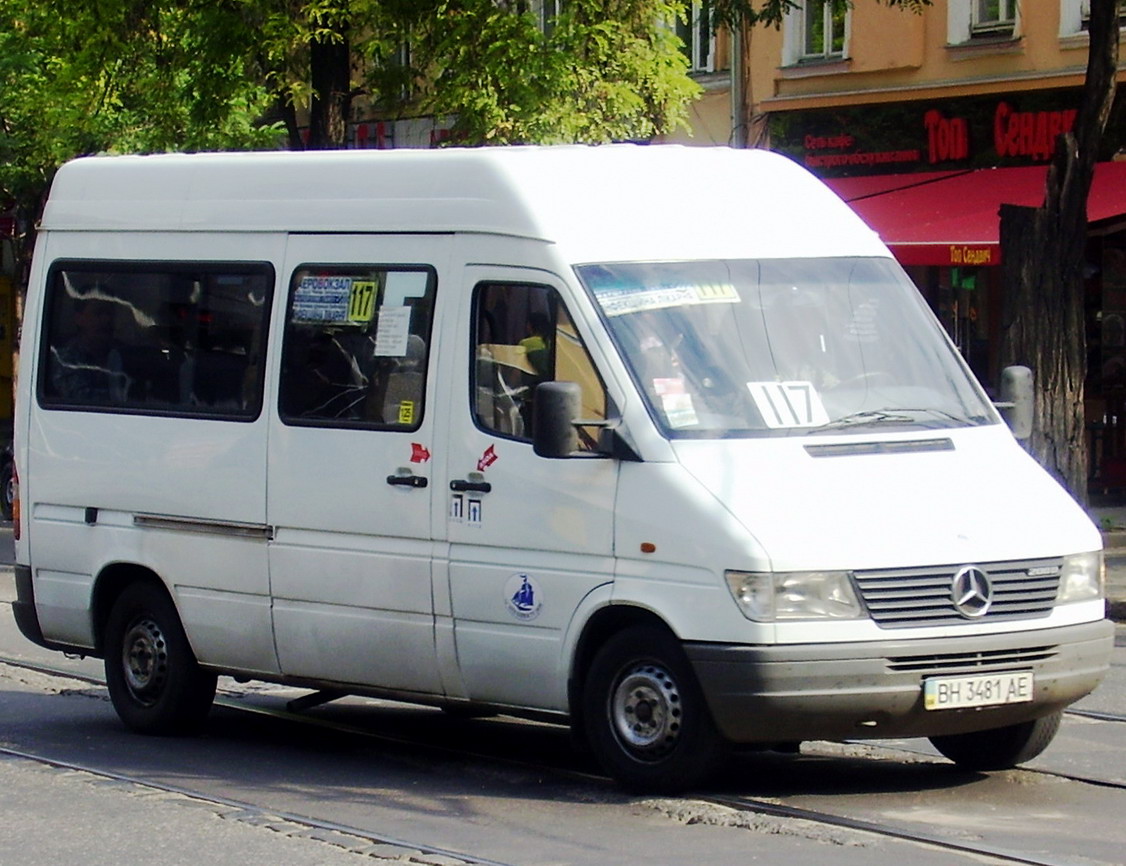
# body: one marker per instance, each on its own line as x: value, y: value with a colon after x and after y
x: 88, y: 367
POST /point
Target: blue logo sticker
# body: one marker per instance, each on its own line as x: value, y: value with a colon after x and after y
x: 523, y: 597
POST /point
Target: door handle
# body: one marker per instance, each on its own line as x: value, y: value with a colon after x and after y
x: 460, y: 486
x: 407, y: 480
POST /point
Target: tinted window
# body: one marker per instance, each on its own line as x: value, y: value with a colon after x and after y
x: 357, y: 340
x: 156, y: 338
x: 524, y: 336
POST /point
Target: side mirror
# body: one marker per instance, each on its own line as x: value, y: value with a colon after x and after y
x: 1017, y: 402
x: 556, y: 410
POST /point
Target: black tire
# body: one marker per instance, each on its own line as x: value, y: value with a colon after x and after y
x: 644, y: 714
x: 7, y: 487
x: 155, y: 682
x: 999, y: 748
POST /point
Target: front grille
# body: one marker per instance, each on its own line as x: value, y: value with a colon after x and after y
x: 973, y: 662
x: 906, y: 597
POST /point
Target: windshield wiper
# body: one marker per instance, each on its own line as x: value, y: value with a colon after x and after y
x: 871, y: 417
x: 865, y: 418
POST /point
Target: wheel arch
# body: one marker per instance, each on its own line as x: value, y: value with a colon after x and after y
x: 603, y: 624
x: 111, y: 582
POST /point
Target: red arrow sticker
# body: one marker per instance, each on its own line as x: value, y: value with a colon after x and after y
x: 419, y: 453
x: 487, y: 459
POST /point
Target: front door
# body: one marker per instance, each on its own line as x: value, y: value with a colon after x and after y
x: 530, y: 537
x: 350, y: 488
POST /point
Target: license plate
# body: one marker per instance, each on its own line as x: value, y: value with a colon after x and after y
x: 982, y: 690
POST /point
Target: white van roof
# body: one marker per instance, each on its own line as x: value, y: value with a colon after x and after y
x: 608, y: 203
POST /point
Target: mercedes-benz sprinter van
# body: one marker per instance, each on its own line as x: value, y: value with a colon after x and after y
x: 659, y: 442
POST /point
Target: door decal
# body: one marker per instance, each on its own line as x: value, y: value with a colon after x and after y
x: 523, y: 597
x: 466, y: 510
x: 487, y: 459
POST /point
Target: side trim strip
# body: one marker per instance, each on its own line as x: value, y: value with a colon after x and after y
x: 207, y: 527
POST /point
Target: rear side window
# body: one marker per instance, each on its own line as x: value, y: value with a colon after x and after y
x: 161, y: 338
x: 357, y: 340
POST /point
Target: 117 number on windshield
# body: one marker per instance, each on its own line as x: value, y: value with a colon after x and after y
x: 788, y: 404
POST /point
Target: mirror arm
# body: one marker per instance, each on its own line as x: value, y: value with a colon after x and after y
x: 613, y: 441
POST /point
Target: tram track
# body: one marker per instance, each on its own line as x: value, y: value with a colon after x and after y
x: 970, y: 849
x: 288, y: 823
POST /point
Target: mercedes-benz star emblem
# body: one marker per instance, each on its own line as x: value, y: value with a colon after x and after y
x: 971, y: 592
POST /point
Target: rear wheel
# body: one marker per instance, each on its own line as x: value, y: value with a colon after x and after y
x: 155, y: 682
x: 999, y: 748
x: 645, y: 715
x: 7, y: 487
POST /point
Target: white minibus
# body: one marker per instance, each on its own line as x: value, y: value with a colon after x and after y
x: 658, y: 442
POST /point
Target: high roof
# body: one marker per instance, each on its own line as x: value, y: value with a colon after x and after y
x: 605, y: 203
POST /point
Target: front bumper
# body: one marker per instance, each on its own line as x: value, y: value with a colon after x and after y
x: 766, y: 694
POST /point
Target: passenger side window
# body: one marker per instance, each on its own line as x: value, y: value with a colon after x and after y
x: 523, y: 335
x: 156, y: 338
x: 357, y: 341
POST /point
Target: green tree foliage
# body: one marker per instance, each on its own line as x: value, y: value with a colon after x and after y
x: 117, y: 76
x: 600, y: 70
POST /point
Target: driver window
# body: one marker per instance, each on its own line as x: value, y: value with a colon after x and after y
x: 523, y: 336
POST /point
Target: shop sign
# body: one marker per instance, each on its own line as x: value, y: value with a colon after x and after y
x: 961, y: 254
x: 973, y: 132
x: 1029, y: 133
x: 947, y: 138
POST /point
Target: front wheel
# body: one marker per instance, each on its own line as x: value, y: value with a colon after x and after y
x: 999, y: 748
x: 645, y: 715
x: 154, y: 680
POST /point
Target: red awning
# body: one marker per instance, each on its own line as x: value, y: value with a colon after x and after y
x: 943, y: 218
x: 865, y: 186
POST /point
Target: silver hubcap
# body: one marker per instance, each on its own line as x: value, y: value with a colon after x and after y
x: 145, y: 659
x: 646, y: 711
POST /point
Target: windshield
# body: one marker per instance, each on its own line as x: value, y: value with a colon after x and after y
x: 783, y: 346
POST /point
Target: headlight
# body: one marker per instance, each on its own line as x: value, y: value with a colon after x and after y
x: 1081, y: 577
x: 767, y: 597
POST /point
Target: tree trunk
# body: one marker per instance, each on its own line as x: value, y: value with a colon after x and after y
x: 287, y: 113
x: 1044, y: 330
x: 1042, y: 257
x: 331, y: 79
